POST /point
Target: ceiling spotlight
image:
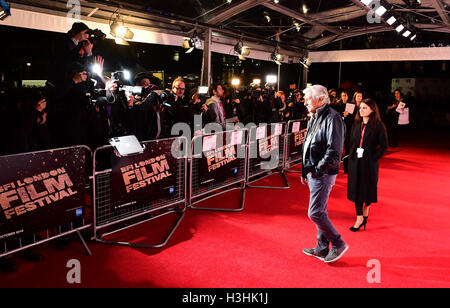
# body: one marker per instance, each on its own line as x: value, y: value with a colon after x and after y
x: 305, y: 9
x: 297, y: 26
x: 391, y: 20
x: 276, y: 56
x: 380, y: 11
x: 400, y: 28
x: 119, y: 31
x: 366, y: 2
x: 191, y: 43
x: 407, y: 33
x: 267, y: 17
x: 306, y: 62
x: 276, y: 1
x: 241, y: 50
x: 413, y: 37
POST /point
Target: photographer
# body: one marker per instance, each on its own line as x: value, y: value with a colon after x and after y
x: 175, y: 106
x: 296, y: 109
x: 143, y: 115
x: 75, y: 48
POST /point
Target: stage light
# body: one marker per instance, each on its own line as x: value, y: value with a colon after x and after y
x: 400, y: 28
x: 276, y: 56
x: 306, y: 62
x: 297, y: 26
x: 241, y: 50
x: 257, y: 82
x: 119, y: 31
x: 413, y: 37
x: 366, y: 2
x: 380, y: 11
x: 391, y: 20
x: 305, y: 9
x: 407, y: 33
x: 271, y: 79
x: 235, y: 82
x: 191, y: 43
x: 267, y: 17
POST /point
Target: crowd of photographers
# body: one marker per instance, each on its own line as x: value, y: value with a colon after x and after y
x: 80, y: 107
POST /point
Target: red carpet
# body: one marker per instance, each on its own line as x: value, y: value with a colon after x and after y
x: 408, y: 232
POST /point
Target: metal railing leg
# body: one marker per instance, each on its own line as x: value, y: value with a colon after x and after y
x: 88, y: 251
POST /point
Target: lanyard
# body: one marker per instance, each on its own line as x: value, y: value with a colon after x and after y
x: 363, y: 130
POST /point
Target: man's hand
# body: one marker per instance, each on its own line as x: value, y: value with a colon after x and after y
x: 88, y: 48
x: 304, y: 180
x: 99, y: 61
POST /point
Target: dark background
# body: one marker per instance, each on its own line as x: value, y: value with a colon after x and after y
x: 22, y: 46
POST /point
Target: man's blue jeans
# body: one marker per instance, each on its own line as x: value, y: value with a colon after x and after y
x: 320, y: 188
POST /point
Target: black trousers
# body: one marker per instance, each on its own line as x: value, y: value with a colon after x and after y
x: 359, y: 208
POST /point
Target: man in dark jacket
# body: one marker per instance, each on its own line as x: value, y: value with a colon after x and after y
x: 321, y: 159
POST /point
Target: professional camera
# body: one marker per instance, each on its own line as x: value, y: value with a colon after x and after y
x: 97, y: 97
x: 167, y: 98
x: 120, y: 79
x: 94, y: 36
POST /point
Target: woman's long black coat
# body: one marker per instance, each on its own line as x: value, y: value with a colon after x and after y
x: 363, y: 172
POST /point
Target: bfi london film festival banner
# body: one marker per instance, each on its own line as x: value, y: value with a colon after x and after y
x: 40, y: 191
x: 220, y: 161
x: 298, y: 132
x: 146, y: 177
x: 268, y: 138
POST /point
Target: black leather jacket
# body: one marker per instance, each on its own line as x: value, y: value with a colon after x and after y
x: 324, y: 150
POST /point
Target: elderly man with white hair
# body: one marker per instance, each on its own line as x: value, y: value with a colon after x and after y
x: 322, y: 152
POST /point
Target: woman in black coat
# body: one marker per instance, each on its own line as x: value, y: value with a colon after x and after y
x: 368, y: 143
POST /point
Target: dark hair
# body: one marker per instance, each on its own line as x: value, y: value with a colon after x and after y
x: 213, y: 87
x: 374, y: 117
x: 77, y: 28
x: 397, y: 90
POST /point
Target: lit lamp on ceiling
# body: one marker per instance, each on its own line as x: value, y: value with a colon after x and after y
x: 241, y: 50
x: 120, y: 32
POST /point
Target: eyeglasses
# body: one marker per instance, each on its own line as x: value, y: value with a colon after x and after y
x: 182, y: 89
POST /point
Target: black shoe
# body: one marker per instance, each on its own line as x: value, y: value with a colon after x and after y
x: 335, y: 254
x: 364, y: 223
x: 312, y: 253
x: 31, y: 255
x: 7, y: 265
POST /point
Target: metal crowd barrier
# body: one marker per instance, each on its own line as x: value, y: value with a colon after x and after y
x: 295, y: 137
x: 256, y: 168
x: 221, y: 165
x: 47, y: 183
x: 116, y: 218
